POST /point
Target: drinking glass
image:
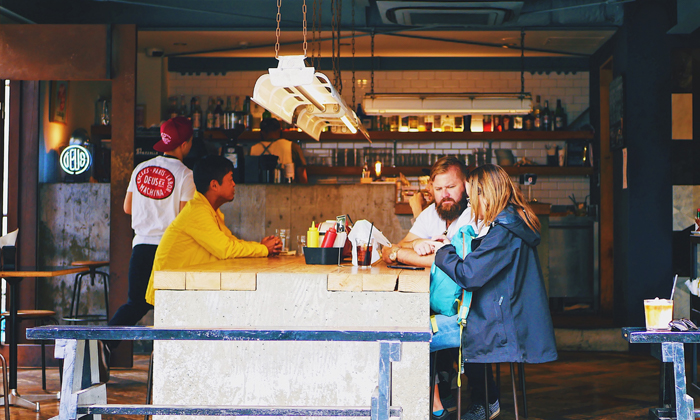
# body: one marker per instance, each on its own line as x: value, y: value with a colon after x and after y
x: 283, y: 234
x: 658, y: 313
x: 364, y: 253
x: 301, y: 243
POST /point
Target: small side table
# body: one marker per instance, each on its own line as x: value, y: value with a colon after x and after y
x: 91, y: 266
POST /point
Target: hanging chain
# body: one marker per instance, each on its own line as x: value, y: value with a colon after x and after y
x: 371, y: 91
x: 339, y: 9
x: 333, y: 24
x: 522, y: 62
x: 353, y: 55
x: 303, y: 10
x: 313, y: 34
x: 277, y: 32
x: 320, y: 32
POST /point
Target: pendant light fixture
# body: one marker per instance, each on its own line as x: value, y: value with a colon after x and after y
x: 451, y: 103
x: 299, y: 95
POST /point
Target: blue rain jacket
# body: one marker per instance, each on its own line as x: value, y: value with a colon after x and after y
x: 509, y: 319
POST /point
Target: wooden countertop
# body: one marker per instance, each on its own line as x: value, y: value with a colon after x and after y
x: 241, y: 274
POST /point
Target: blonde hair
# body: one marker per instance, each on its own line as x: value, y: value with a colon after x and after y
x: 492, y: 184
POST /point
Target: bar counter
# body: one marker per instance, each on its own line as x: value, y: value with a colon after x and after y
x: 285, y: 292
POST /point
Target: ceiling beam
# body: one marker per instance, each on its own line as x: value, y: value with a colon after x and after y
x: 222, y: 65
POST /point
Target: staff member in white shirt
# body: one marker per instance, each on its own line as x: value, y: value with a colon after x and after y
x: 158, y: 190
x: 289, y: 153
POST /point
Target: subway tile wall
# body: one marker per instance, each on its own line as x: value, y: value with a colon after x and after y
x: 572, y: 89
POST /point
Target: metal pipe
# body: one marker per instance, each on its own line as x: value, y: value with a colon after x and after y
x: 310, y: 98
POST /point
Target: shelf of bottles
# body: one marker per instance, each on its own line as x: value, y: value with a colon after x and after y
x: 424, y: 170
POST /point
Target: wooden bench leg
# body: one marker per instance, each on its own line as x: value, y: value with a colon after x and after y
x: 81, y: 379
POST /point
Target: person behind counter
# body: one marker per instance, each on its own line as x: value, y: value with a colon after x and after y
x: 289, y: 153
x: 158, y: 190
x: 509, y: 319
x: 198, y: 234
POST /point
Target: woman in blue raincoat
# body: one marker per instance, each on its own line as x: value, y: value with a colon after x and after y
x: 509, y: 319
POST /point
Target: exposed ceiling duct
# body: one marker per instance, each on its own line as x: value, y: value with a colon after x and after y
x: 458, y: 13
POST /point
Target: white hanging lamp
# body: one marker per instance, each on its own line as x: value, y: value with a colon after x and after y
x: 300, y: 96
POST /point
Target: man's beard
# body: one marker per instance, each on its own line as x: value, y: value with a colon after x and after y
x: 451, y: 212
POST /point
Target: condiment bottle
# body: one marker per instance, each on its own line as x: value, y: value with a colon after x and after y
x: 329, y: 238
x: 312, y: 236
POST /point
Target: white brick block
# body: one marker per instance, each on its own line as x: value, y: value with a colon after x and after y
x: 460, y: 145
x: 548, y: 83
x: 426, y: 75
x: 476, y: 75
x: 410, y: 75
x: 467, y: 83
x: 565, y: 83
x: 394, y: 75
x: 419, y: 83
x: 385, y: 84
x: 574, y: 91
x: 451, y: 83
x: 581, y: 83
x: 402, y: 83
x: 499, y: 84
x: 458, y: 75
x: 436, y: 83
x: 314, y: 145
x: 224, y: 83
x: 530, y: 84
x: 443, y: 145
x: 443, y: 75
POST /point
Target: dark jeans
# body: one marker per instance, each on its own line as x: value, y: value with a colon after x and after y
x: 140, y: 266
x: 475, y: 376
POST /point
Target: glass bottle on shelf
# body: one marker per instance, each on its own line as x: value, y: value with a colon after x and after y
x: 173, y: 111
x: 559, y: 117
x: 183, y: 107
x: 536, y: 115
x: 546, y: 124
x: 218, y: 114
x: 210, y: 114
x: 437, y: 122
x: 487, y: 123
x: 228, y: 114
x: 196, y: 115
x: 247, y: 114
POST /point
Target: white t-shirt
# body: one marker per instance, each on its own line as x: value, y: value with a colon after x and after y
x: 158, y: 186
x: 429, y: 224
x: 281, y: 148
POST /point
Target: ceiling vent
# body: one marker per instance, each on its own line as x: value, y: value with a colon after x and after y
x: 449, y: 13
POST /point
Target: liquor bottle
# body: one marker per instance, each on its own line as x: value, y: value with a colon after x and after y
x: 247, y: 114
x: 228, y: 114
x: 233, y: 152
x: 196, y: 115
x: 218, y: 114
x: 487, y: 124
x: 506, y: 120
x: 537, y: 115
x: 546, y: 123
x: 210, y: 114
x: 183, y: 107
x: 559, y: 117
x: 266, y: 114
x: 173, y: 111
x: 497, y: 123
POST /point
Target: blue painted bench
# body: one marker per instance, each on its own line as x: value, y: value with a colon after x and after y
x: 82, y: 393
x: 671, y: 351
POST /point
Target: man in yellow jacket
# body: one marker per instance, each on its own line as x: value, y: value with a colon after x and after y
x: 198, y: 234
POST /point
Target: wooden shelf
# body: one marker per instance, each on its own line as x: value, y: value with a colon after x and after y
x: 254, y: 136
x: 420, y: 170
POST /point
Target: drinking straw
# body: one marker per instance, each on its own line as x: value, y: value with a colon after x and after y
x: 368, y: 253
x: 674, y: 286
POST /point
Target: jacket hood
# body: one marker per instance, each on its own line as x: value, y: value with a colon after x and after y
x: 510, y: 220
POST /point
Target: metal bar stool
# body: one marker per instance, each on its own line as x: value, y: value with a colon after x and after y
x: 41, y: 317
x: 91, y: 266
x: 5, y: 387
x: 521, y: 379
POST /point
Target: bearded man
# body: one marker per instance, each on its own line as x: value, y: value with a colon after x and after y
x: 445, y: 216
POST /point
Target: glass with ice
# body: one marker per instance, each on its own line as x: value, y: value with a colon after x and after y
x: 658, y: 313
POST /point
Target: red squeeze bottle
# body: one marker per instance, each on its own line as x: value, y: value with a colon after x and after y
x: 329, y: 238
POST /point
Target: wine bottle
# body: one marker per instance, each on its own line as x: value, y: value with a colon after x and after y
x: 228, y: 114
x: 196, y: 114
x: 218, y: 114
x: 183, y: 107
x: 248, y: 115
x: 537, y: 115
x: 210, y: 114
x: 546, y: 123
x: 559, y: 117
x: 173, y: 110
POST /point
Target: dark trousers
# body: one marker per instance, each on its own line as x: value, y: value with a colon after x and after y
x: 475, y: 376
x: 444, y: 367
x: 140, y: 266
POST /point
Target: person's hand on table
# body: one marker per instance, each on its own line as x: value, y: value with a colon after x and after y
x: 273, y: 244
x: 385, y: 254
x: 423, y: 248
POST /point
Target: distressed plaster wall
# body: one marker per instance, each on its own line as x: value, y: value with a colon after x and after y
x: 73, y: 226
x: 259, y: 209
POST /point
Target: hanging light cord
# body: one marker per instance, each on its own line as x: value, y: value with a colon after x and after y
x: 522, y: 62
x: 353, y: 55
x: 313, y: 33
x: 371, y: 91
x: 277, y: 31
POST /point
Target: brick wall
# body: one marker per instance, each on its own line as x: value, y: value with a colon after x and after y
x: 572, y: 89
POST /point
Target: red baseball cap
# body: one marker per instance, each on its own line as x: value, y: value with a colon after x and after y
x: 173, y: 133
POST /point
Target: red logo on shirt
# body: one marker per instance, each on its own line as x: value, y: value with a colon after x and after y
x: 155, y: 182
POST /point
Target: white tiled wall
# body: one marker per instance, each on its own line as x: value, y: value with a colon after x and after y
x: 572, y: 89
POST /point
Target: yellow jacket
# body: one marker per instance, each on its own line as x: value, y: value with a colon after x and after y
x: 198, y: 235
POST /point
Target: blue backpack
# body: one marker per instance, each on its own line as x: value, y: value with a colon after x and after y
x: 444, y: 292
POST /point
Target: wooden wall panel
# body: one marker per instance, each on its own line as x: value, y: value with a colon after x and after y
x: 54, y: 52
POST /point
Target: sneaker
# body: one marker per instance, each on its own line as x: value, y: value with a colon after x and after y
x: 103, y: 354
x: 449, y: 403
x: 445, y: 415
x: 477, y: 412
